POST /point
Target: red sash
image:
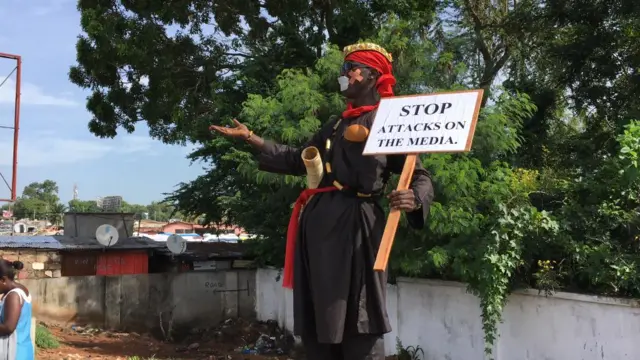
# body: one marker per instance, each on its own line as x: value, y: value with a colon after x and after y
x: 292, y: 232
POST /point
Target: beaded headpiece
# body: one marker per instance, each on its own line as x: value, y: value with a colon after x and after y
x: 367, y: 47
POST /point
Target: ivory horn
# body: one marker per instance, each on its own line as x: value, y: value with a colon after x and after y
x: 313, y: 163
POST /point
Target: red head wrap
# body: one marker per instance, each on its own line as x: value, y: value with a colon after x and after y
x: 376, y: 60
x: 366, y: 54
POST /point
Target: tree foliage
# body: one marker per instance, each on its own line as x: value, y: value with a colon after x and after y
x: 39, y: 200
x: 547, y: 198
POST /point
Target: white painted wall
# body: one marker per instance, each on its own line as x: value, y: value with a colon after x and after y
x: 443, y: 319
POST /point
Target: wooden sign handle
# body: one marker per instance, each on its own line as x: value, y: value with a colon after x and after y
x: 394, y: 216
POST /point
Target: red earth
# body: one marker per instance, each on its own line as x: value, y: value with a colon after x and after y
x: 224, y: 342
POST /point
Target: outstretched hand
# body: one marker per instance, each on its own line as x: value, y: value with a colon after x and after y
x: 239, y: 131
x: 403, y: 200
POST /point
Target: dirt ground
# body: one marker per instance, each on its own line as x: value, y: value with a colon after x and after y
x: 232, y: 340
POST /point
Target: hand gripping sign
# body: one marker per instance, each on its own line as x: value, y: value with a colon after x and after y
x: 431, y: 123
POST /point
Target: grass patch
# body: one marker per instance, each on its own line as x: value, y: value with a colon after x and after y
x: 44, y: 338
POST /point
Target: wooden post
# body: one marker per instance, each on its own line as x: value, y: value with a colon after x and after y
x: 394, y: 216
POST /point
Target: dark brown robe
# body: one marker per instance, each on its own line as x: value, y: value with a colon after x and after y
x: 337, y: 294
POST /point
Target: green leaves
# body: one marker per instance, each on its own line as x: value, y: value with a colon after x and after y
x: 553, y: 175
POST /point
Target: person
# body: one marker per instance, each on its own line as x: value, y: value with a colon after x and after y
x: 15, y: 315
x: 339, y: 300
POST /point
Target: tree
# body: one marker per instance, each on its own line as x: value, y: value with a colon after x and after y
x: 47, y: 191
x: 136, y: 209
x: 139, y: 71
x: 38, y: 199
x: 56, y: 214
x: 579, y: 62
x: 83, y: 206
x: 160, y: 211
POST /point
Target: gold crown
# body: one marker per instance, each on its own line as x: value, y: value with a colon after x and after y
x: 367, y: 47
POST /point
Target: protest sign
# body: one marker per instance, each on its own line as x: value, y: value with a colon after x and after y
x: 433, y: 123
x: 424, y: 123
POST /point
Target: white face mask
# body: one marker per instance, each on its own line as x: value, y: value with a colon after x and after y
x: 344, y: 83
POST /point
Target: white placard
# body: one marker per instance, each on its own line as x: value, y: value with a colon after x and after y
x: 443, y: 122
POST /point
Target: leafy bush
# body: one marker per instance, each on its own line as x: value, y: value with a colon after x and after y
x: 570, y: 222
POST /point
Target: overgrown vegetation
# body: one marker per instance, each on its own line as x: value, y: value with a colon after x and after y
x: 409, y: 352
x: 44, y: 338
x: 547, y: 198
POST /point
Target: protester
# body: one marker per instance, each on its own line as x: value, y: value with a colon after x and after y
x: 339, y: 300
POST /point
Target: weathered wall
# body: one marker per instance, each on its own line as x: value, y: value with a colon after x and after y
x: 77, y: 299
x: 37, y: 263
x: 444, y: 320
x: 193, y: 299
x: 86, y: 224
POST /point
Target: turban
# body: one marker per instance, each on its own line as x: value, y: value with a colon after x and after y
x: 375, y: 57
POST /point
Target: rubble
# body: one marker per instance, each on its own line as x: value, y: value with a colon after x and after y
x: 257, y: 338
x: 231, y: 339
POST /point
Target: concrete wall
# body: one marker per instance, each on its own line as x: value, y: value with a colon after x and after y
x: 37, y: 263
x: 86, y: 224
x: 443, y: 319
x: 190, y: 299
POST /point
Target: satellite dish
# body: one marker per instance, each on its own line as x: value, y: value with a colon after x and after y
x: 107, y: 235
x: 176, y: 244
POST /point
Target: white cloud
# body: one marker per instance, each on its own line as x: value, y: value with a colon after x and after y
x: 49, y: 150
x: 31, y: 95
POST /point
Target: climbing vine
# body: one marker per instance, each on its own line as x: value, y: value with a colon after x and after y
x: 502, y: 257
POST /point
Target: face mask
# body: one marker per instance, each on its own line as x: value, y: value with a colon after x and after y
x: 344, y: 83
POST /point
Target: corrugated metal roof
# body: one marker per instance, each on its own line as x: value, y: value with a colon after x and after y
x: 61, y: 242
x: 29, y: 242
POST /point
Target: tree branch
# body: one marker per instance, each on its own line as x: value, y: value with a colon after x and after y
x: 477, y: 29
x: 328, y: 16
x: 502, y: 61
x: 247, y: 56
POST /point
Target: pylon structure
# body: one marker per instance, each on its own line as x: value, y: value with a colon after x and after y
x: 17, y: 70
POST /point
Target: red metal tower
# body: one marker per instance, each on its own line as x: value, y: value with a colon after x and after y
x: 16, y: 123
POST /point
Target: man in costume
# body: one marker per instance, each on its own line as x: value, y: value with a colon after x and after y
x: 339, y: 300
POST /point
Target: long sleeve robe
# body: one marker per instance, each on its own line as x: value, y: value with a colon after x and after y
x: 336, y: 291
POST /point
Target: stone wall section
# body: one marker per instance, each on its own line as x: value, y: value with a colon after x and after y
x: 38, y: 264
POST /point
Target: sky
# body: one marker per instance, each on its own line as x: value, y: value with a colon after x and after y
x: 54, y: 139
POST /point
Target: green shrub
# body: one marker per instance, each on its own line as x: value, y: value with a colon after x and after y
x: 44, y: 338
